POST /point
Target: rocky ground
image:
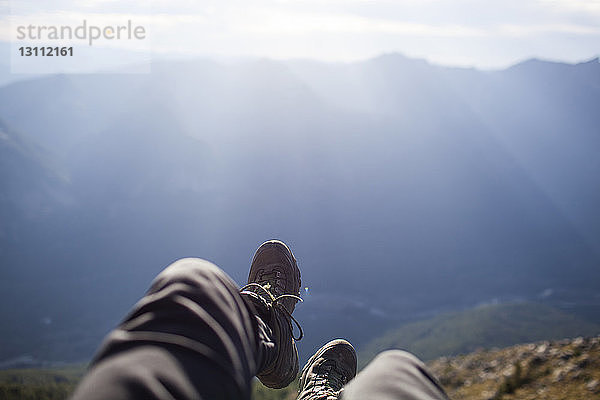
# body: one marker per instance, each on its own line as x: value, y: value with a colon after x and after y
x: 565, y: 369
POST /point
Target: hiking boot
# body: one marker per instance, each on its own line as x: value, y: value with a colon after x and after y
x: 325, y: 374
x: 273, y: 288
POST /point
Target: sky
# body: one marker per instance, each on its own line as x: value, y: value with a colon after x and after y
x: 483, y: 34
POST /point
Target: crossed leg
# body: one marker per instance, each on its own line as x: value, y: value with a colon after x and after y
x: 192, y: 336
x: 195, y: 336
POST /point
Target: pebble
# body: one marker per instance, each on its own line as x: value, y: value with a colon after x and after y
x: 558, y: 375
x: 542, y: 348
x: 583, y: 361
x: 592, y: 386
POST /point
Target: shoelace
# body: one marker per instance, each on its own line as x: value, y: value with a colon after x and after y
x: 274, y: 302
x: 267, y: 278
x: 329, y: 381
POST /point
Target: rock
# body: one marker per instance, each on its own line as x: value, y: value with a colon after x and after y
x: 542, y: 391
x: 508, y: 371
x: 567, y: 354
x: 537, y: 360
x: 558, y: 375
x: 561, y: 373
x: 542, y: 348
x: 593, y: 385
x: 487, y: 376
x: 583, y: 361
x: 530, y: 347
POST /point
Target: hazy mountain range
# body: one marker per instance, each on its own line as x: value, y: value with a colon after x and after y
x: 404, y: 189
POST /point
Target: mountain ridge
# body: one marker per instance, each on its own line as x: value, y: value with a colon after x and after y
x: 484, y: 327
x: 408, y: 185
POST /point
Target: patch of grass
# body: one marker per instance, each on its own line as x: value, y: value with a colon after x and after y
x: 512, y: 382
x: 40, y: 384
x: 261, y: 392
x: 52, y: 391
x: 59, y: 383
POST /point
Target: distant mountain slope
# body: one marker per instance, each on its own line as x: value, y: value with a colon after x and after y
x: 33, y: 186
x: 402, y: 187
x: 483, y: 327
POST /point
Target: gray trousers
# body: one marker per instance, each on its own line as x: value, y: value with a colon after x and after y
x: 192, y: 336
